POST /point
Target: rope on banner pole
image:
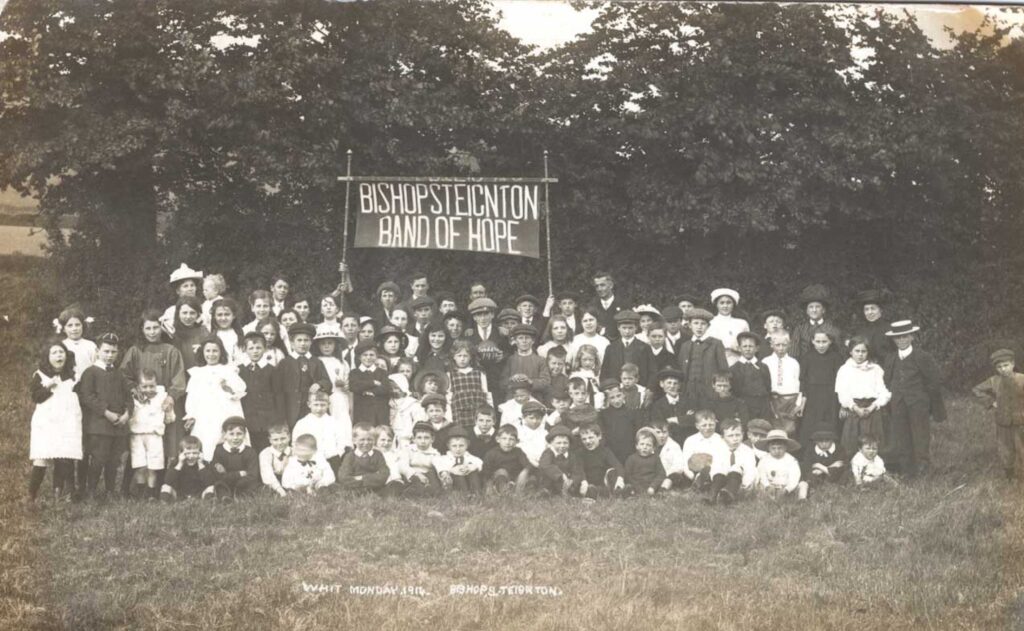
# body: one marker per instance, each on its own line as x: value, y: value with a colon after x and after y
x: 547, y: 224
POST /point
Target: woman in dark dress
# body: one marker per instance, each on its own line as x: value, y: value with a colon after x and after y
x: 818, y: 370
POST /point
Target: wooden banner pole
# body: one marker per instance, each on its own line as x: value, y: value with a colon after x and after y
x: 547, y: 224
x: 345, y: 285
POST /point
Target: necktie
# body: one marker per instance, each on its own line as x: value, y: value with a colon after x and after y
x: 281, y: 456
x: 458, y: 460
x: 779, y: 380
x: 732, y: 458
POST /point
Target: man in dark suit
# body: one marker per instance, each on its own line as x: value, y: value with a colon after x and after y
x: 700, y: 357
x: 915, y: 382
x: 626, y: 349
x: 606, y: 304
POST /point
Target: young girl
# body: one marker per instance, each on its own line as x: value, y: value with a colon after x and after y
x: 400, y: 319
x: 56, y: 421
x: 185, y: 282
x: 648, y: 315
x: 330, y: 310
x: 326, y: 346
x: 860, y: 386
x: 406, y: 367
x: 367, y: 329
x: 468, y: 385
x: 214, y: 393
x: 590, y: 322
x: 588, y: 367
x: 72, y: 323
x: 214, y: 287
x: 225, y: 327
x: 259, y: 304
x: 392, y: 342
x: 724, y: 326
x: 434, y: 349
x: 302, y: 307
x: 287, y: 318
x: 557, y: 333
x: 271, y: 332
x: 189, y: 332
x: 403, y: 410
x: 818, y: 370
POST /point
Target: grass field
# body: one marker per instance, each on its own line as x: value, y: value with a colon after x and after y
x: 946, y: 553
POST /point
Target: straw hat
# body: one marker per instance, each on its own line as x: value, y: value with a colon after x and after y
x: 777, y: 436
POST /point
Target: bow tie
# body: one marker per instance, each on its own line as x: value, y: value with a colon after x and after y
x: 308, y: 463
x: 816, y: 322
x: 459, y: 459
x: 234, y: 450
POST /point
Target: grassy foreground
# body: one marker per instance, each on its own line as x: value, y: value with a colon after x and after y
x: 947, y: 553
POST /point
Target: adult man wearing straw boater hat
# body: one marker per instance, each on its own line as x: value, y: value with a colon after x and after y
x: 913, y: 377
x: 606, y: 304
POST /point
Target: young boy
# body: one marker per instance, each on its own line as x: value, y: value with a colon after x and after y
x: 524, y: 361
x: 913, y: 378
x: 106, y: 399
x: 526, y: 306
x: 700, y: 357
x: 580, y: 399
x: 458, y: 469
x: 506, y: 466
x: 364, y: 469
x: 1004, y: 392
x: 417, y: 462
x: 259, y: 405
x: 726, y: 406
x: 307, y: 471
x: 520, y: 388
x: 532, y: 433
x: 483, y: 439
x: 556, y: 367
x: 371, y: 391
x: 636, y: 396
x: 778, y: 473
x: 733, y: 466
x: 149, y: 415
x: 825, y: 463
x: 757, y: 430
x: 705, y: 441
x: 236, y: 466
x: 627, y: 350
x: 274, y: 458
x: 675, y: 332
x: 298, y: 376
x: 751, y: 380
x: 867, y: 466
x: 560, y: 470
x: 187, y: 476
x: 669, y: 452
x: 435, y: 406
x: 618, y: 422
x: 643, y: 471
x: 321, y: 426
x: 671, y: 407
x: 660, y: 350
x: 602, y: 471
x: 560, y: 403
x: 787, y: 400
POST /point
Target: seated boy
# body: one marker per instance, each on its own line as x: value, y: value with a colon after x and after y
x: 670, y: 407
x: 757, y: 430
x: 506, y: 466
x: 560, y: 402
x: 778, y: 473
x: 458, y: 469
x: 618, y: 421
x: 322, y: 427
x: 306, y: 471
x: 824, y: 463
x: 733, y: 466
x: 236, y: 465
x: 725, y: 405
x: 533, y: 436
x: 643, y: 471
x: 274, y: 458
x: 482, y: 439
x: 150, y: 413
x: 670, y: 453
x: 417, y: 462
x: 561, y: 470
x: 520, y: 388
x: 602, y: 471
x: 187, y: 476
x: 867, y: 466
x: 636, y: 396
x: 705, y: 441
x: 435, y: 405
x: 364, y: 469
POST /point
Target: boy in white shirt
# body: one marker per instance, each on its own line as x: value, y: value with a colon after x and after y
x: 321, y: 426
x: 274, y: 459
x: 307, y: 471
x: 521, y: 387
x: 867, y: 466
x: 778, y: 473
x: 787, y: 400
x: 670, y: 453
x: 458, y: 469
x: 533, y: 436
x: 733, y: 466
x: 705, y: 441
x: 146, y: 425
x: 417, y: 462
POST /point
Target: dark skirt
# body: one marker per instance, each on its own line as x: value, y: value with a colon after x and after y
x: 821, y: 412
x: 854, y: 427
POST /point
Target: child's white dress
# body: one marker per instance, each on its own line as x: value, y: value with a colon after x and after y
x: 340, y: 404
x: 85, y: 354
x: 57, y: 423
x: 210, y: 404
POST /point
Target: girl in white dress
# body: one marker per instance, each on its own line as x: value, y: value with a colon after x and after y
x: 214, y: 393
x: 860, y: 387
x: 724, y: 326
x: 325, y: 344
x: 589, y: 323
x: 225, y: 326
x: 72, y: 324
x: 56, y: 422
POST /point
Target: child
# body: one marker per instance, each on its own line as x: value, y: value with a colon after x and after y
x: 860, y: 387
x: 189, y: 333
x: 751, y: 380
x: 435, y: 407
x: 557, y: 335
x: 675, y: 332
x: 299, y: 376
x: 671, y: 407
x: 526, y: 306
x: 524, y: 361
x: 106, y: 401
x: 330, y: 310
x: 560, y: 402
x: 1004, y: 392
x: 787, y: 400
x: 259, y: 405
x: 150, y: 413
x: 669, y: 452
x: 725, y: 326
x: 733, y: 466
x: 417, y: 462
x: 468, y: 385
x: 364, y: 469
x: 214, y: 287
x: 774, y: 324
x: 588, y: 366
x: 589, y: 336
x: 236, y: 465
x: 778, y: 473
x: 327, y: 337
x: 259, y: 303
x: 72, y: 323
x: 700, y: 357
x: 560, y: 470
x: 388, y: 447
x: 392, y: 343
x: 867, y: 466
x: 636, y: 396
x: 521, y: 388
x: 824, y: 463
x: 302, y: 308
x: 757, y: 430
x: 185, y: 282
x: 818, y: 370
x: 506, y: 466
x: 274, y: 458
x: 556, y: 359
x: 56, y: 421
x: 627, y: 349
x: 271, y: 330
x: 618, y: 422
x: 814, y: 300
x: 370, y: 389
x: 483, y: 438
x: 279, y: 289
x: 306, y: 471
x: 403, y: 409
x: 188, y: 476
x: 459, y: 470
x: 215, y: 391
x: 532, y: 433
x: 913, y: 378
x: 225, y: 326
x: 660, y: 350
x: 643, y: 471
x: 726, y: 406
x: 648, y: 315
x: 705, y: 441
x: 324, y: 428
x: 602, y: 471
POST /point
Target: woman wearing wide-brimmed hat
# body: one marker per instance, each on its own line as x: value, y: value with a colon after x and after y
x: 816, y: 302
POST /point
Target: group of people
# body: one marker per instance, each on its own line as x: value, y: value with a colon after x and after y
x: 411, y: 395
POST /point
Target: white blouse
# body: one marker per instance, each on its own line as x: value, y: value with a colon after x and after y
x: 725, y: 329
x: 861, y: 381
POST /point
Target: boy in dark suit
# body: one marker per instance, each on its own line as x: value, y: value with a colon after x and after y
x: 671, y: 407
x: 700, y: 357
x: 259, y: 405
x: 371, y: 390
x: 236, y: 466
x: 627, y: 349
x: 751, y: 380
x: 298, y: 376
